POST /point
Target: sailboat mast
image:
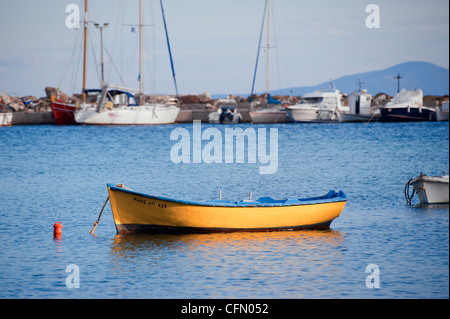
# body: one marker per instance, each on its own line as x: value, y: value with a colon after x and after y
x: 268, y: 47
x: 83, y: 93
x: 257, y: 54
x: 168, y: 47
x: 141, y: 64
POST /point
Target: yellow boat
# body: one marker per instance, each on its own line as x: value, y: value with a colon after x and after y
x: 135, y: 212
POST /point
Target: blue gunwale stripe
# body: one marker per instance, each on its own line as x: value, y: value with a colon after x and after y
x: 331, y: 197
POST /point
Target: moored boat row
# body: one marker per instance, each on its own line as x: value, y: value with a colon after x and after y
x: 325, y: 106
x: 118, y: 106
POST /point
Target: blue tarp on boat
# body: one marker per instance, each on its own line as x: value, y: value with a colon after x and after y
x: 271, y: 100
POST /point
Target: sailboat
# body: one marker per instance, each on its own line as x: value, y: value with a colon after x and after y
x: 64, y: 113
x: 119, y: 106
x: 273, y: 112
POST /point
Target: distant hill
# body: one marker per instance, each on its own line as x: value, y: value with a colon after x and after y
x: 432, y: 79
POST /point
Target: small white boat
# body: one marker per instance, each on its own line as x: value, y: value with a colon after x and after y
x: 317, y: 107
x: 360, y: 108
x: 226, y: 112
x: 442, y: 112
x: 5, y: 118
x: 430, y: 189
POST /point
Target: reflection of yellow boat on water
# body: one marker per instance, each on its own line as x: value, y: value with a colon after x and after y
x: 138, y: 212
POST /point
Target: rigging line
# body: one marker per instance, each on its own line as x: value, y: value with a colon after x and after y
x: 76, y: 70
x: 257, y: 55
x: 77, y: 38
x: 147, y: 70
x: 122, y: 8
x: 95, y: 60
x: 114, y: 66
x: 151, y: 66
x: 133, y: 59
x: 130, y: 75
x: 168, y: 46
x: 154, y: 43
x: 116, y: 30
x: 126, y: 39
x: 274, y: 22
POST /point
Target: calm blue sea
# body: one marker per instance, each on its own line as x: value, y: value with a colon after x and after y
x: 50, y: 173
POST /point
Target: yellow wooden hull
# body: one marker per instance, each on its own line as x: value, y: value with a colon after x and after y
x: 137, y: 212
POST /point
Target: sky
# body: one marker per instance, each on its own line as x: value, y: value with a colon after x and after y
x: 214, y: 43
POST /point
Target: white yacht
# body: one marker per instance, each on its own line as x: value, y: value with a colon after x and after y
x: 319, y: 106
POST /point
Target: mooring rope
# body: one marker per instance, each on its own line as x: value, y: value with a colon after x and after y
x: 407, y: 196
x: 98, y: 219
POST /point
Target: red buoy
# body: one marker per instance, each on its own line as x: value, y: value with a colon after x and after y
x: 57, y: 227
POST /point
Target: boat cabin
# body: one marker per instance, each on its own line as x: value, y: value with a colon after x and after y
x: 328, y: 98
x: 360, y: 102
x: 119, y: 97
